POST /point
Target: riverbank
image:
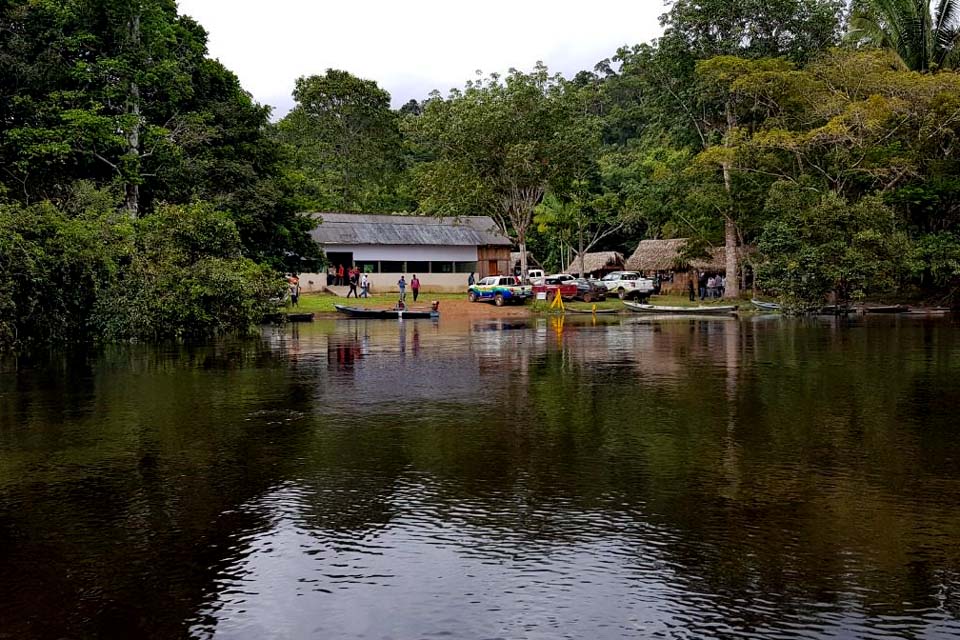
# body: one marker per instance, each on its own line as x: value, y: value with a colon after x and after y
x: 457, y: 305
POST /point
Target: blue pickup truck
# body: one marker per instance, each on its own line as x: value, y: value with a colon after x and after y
x: 500, y: 290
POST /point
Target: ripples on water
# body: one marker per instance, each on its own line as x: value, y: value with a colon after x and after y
x: 677, y: 479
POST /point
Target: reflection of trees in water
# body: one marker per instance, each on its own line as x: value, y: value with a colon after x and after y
x: 132, y: 499
x: 778, y: 462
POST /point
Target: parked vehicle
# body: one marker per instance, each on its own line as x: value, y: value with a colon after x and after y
x: 590, y: 290
x: 551, y: 284
x: 500, y: 290
x: 535, y: 276
x: 628, y: 285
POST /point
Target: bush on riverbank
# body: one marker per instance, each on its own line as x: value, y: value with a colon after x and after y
x: 86, y: 271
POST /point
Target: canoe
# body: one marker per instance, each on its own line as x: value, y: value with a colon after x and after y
x: 686, y: 311
x: 300, y: 317
x: 387, y: 314
x: 895, y: 308
x: 765, y: 306
x: 833, y: 310
x: 280, y: 318
x: 591, y: 312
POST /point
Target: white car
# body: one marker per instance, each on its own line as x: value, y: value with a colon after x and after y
x: 628, y: 284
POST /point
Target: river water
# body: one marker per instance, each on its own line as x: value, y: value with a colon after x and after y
x: 686, y: 478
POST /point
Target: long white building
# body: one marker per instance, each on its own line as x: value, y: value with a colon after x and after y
x: 441, y: 252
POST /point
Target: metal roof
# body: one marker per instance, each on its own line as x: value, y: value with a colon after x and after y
x: 367, y: 229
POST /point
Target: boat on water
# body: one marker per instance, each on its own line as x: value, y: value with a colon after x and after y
x: 765, y: 306
x: 388, y: 314
x: 686, y: 311
x: 894, y: 308
x: 591, y: 312
x: 280, y: 318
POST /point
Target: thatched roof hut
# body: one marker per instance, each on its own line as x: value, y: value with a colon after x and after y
x: 599, y: 262
x: 664, y: 255
x: 531, y: 261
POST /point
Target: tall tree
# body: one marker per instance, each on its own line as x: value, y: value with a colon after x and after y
x: 345, y: 141
x: 498, y: 145
x: 924, y: 33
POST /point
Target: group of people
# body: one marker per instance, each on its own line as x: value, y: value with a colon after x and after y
x: 710, y: 286
x: 414, y: 288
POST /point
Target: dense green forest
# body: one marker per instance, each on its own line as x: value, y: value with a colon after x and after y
x: 144, y: 194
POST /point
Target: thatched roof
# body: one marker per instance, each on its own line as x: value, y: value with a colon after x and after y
x: 531, y: 261
x: 596, y: 262
x: 663, y: 255
x: 367, y: 229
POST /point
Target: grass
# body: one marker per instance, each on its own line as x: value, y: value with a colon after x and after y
x: 323, y: 302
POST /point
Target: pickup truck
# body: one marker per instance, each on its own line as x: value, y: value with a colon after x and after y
x: 551, y: 284
x: 500, y: 290
x: 628, y: 284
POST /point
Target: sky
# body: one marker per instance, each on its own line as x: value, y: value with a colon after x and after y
x: 415, y: 46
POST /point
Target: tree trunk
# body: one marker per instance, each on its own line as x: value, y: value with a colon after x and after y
x: 732, y: 279
x: 522, y: 242
x: 581, y: 252
x: 131, y: 163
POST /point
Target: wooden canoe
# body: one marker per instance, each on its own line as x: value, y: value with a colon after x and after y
x: 686, y: 311
x: 765, y: 306
x: 387, y: 314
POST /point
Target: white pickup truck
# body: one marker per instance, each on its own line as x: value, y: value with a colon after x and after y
x: 628, y: 284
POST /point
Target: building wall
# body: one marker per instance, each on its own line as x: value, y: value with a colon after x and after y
x: 486, y: 256
x: 382, y: 283
x: 407, y: 252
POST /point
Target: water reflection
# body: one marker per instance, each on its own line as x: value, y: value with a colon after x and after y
x: 596, y: 478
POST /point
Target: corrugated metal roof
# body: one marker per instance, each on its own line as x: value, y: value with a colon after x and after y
x: 366, y: 229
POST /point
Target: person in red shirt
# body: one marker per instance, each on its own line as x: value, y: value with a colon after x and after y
x: 340, y: 276
x: 415, y: 287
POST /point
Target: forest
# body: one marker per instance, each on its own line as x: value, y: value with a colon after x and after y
x: 145, y: 195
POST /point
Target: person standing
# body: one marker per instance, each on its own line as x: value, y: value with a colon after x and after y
x: 403, y: 288
x: 353, y: 284
x: 340, y: 275
x: 364, y: 286
x: 415, y: 287
x: 331, y: 276
x: 294, y: 283
x: 703, y: 285
x: 691, y: 291
x: 471, y: 280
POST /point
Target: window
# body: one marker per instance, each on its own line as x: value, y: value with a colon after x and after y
x: 367, y: 266
x: 465, y: 267
x: 442, y: 267
x: 389, y: 266
x: 418, y: 267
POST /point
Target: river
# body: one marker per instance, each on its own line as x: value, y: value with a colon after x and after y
x: 623, y: 478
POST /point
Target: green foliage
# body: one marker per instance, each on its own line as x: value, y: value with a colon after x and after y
x: 816, y: 246
x: 54, y: 264
x: 186, y: 278
x: 345, y: 144
x: 496, y: 147
x: 120, y: 93
x: 925, y: 38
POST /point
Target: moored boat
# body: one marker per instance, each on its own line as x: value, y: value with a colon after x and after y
x: 387, y: 314
x: 765, y: 306
x: 686, y: 311
x: 894, y: 308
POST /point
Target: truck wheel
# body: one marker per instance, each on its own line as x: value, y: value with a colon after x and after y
x: 622, y: 293
x: 588, y: 298
x: 472, y: 296
x: 498, y: 300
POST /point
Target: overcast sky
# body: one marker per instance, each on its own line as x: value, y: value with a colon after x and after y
x: 414, y: 46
